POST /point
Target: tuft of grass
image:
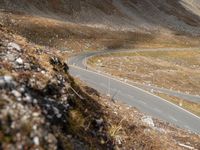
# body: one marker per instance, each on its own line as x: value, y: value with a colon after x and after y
x: 76, y: 120
x: 3, y: 72
x: 115, y: 129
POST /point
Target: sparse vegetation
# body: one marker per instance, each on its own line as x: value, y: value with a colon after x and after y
x: 77, y: 37
x: 177, y: 70
x: 190, y: 106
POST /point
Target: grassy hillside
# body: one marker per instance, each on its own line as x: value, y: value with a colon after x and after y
x: 144, y: 16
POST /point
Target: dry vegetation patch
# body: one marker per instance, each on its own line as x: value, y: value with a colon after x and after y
x: 191, y: 106
x: 77, y: 37
x: 177, y: 70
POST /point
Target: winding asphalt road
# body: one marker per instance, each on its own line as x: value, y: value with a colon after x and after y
x: 132, y: 95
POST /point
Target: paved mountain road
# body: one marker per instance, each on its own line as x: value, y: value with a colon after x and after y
x: 144, y: 101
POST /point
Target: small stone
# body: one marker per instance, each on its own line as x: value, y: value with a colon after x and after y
x: 69, y: 136
x: 34, y: 127
x: 19, y: 61
x: 160, y: 130
x: 8, y: 79
x: 56, y: 111
x: 22, y: 89
x: 43, y: 72
x: 118, y: 140
x: 19, y: 146
x: 51, y: 138
x: 27, y: 66
x: 58, y: 116
x: 36, y: 140
x: 99, y: 122
x: 66, y: 106
x: 11, y: 57
x: 47, y: 106
x: 16, y: 94
x: 49, y: 117
x: 115, y: 113
x: 148, y: 120
x: 35, y: 114
x: 28, y: 98
x: 13, y: 125
x: 45, y: 112
x: 12, y: 46
x: 35, y: 101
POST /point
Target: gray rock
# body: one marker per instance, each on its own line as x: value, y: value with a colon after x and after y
x: 22, y: 89
x: 8, y: 79
x: 35, y: 127
x: 43, y: 72
x: 56, y: 111
x: 69, y: 136
x: 27, y: 98
x: 19, y: 61
x: 99, y: 122
x: 35, y: 101
x: 58, y: 116
x: 148, y: 120
x: 118, y: 140
x: 27, y: 66
x: 11, y: 57
x: 36, y: 140
x: 50, y: 138
x: 49, y: 117
x: 16, y: 93
x: 66, y: 106
x: 35, y: 114
x: 15, y: 46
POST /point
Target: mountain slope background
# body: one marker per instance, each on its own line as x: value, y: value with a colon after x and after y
x: 95, y: 24
x: 176, y: 15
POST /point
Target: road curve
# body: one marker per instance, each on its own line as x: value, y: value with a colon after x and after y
x: 134, y: 96
x: 188, y: 97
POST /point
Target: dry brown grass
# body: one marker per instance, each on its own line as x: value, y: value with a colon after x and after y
x: 125, y: 125
x: 190, y: 106
x: 177, y: 70
x: 71, y: 36
x: 76, y: 120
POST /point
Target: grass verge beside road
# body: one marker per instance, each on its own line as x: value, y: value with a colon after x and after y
x: 190, y: 106
x: 176, y: 70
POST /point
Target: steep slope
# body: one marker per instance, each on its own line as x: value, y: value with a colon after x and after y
x: 159, y: 15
